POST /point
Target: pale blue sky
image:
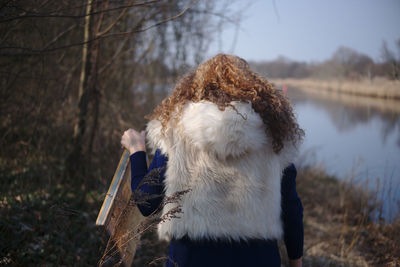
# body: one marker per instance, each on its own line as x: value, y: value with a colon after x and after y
x: 311, y: 30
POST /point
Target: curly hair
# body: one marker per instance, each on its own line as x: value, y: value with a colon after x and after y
x: 226, y: 78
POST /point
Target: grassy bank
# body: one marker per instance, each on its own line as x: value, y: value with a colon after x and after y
x: 338, y: 226
x: 378, y: 87
x: 52, y: 228
x: 57, y: 228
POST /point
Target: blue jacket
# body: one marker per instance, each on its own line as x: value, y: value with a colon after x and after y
x: 186, y: 252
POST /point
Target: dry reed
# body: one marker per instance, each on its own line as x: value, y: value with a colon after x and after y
x: 339, y: 226
x: 377, y: 87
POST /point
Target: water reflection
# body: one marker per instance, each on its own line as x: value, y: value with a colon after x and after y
x: 354, y: 138
x: 347, y: 111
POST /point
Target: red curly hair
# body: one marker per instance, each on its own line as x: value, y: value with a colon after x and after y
x: 226, y: 78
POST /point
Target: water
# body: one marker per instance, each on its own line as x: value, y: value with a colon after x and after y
x: 354, y: 138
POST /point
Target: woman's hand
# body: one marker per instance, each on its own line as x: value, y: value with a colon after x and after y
x: 134, y: 141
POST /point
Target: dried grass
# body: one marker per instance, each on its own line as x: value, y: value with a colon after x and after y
x: 122, y: 246
x: 377, y: 87
x: 339, y: 229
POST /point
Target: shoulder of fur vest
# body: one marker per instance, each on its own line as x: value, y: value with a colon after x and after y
x: 229, y: 132
x: 225, y: 133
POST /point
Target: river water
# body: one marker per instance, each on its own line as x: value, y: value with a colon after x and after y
x: 354, y: 138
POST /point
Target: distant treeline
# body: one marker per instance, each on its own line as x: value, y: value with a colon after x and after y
x: 345, y: 63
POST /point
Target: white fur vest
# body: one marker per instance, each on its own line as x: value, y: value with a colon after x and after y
x: 226, y: 162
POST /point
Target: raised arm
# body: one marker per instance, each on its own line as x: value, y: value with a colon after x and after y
x: 146, y: 183
x: 292, y: 216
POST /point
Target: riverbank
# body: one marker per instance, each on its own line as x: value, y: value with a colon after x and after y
x: 39, y: 227
x: 382, y: 105
x: 338, y: 226
x: 377, y: 87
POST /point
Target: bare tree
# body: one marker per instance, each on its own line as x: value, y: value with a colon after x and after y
x: 389, y: 58
x: 75, y: 74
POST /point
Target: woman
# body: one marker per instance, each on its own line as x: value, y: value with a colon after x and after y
x: 223, y: 143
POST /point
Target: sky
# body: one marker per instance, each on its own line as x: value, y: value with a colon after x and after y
x: 309, y: 30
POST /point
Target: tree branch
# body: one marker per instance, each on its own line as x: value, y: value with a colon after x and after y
x: 55, y: 39
x: 47, y: 15
x: 114, y: 23
x: 31, y: 52
x: 154, y: 25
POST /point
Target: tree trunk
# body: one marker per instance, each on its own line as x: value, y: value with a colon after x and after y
x: 74, y: 161
x: 85, y: 65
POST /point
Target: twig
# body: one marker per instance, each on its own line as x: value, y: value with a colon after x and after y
x: 46, y: 15
x: 113, y: 23
x: 55, y: 39
x: 154, y: 25
x: 32, y: 52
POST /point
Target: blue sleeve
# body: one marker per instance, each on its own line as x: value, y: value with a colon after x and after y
x: 292, y: 214
x: 147, y: 184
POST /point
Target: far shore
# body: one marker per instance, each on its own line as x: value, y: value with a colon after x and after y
x: 377, y: 87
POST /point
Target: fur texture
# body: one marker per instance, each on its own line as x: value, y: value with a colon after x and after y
x: 233, y: 175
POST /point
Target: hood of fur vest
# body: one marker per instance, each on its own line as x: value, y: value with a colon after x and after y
x: 225, y: 133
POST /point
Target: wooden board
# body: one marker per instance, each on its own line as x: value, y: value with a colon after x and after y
x: 120, y: 217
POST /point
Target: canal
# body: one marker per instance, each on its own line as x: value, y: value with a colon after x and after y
x: 354, y: 138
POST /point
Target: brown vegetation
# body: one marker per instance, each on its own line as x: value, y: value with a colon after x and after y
x: 73, y: 76
x: 339, y: 230
x: 378, y: 87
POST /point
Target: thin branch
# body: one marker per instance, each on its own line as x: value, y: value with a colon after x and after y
x: 55, y: 39
x: 156, y: 24
x: 105, y: 6
x: 9, y: 73
x: 31, y: 52
x: 123, y: 53
x: 114, y: 23
x: 5, y: 4
x: 216, y: 14
x: 276, y: 11
x: 115, y: 56
x: 44, y: 15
